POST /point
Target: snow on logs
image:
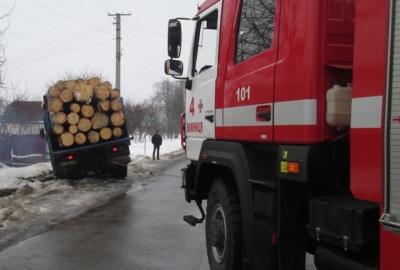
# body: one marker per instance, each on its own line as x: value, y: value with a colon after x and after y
x: 85, y: 112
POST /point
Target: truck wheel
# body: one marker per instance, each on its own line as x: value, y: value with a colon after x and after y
x: 118, y: 171
x: 223, y: 227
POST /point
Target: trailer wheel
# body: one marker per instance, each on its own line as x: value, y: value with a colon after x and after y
x: 223, y: 227
x: 118, y: 171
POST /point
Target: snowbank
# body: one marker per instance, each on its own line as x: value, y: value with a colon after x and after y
x: 31, y: 203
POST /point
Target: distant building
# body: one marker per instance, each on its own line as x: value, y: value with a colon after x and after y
x: 20, y: 141
x: 22, y: 117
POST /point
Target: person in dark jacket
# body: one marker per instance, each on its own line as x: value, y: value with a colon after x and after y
x: 156, y: 140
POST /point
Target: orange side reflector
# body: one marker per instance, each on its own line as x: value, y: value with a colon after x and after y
x: 293, y: 167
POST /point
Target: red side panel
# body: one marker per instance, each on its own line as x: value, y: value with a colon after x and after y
x: 315, y: 50
x: 368, y: 111
x: 369, y: 83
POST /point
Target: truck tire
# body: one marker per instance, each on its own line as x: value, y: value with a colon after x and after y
x: 223, y: 227
x: 118, y: 171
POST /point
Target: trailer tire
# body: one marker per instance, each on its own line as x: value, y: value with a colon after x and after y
x: 224, y: 227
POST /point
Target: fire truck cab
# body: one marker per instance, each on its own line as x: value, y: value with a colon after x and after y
x: 292, y: 131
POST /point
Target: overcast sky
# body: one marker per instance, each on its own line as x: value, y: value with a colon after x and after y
x: 47, y: 39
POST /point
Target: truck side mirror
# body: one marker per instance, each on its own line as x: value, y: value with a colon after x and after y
x: 173, y: 67
x: 174, y: 38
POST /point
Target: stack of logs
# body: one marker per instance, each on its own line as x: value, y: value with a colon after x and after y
x: 85, y: 111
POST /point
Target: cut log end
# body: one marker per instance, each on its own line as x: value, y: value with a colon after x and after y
x: 116, y: 105
x: 93, y: 136
x: 66, y: 139
x: 80, y: 138
x: 84, y: 124
x: 66, y: 95
x: 95, y: 81
x: 101, y: 92
x: 57, y: 129
x: 60, y: 118
x: 72, y: 118
x: 105, y: 133
x: 104, y: 105
x: 117, y: 119
x: 75, y: 107
x: 117, y: 132
x: 99, y: 120
x: 73, y: 129
x: 115, y: 93
x: 54, y: 92
x: 87, y: 110
x: 108, y: 85
x: 55, y: 105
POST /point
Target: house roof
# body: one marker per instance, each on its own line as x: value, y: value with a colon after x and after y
x: 23, y: 112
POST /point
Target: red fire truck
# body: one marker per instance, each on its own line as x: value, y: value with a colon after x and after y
x: 292, y: 131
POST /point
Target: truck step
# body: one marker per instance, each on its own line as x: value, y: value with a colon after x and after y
x: 192, y: 220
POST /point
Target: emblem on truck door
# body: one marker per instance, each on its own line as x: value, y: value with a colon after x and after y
x: 200, y: 106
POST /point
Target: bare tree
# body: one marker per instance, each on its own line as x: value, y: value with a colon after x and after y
x: 170, y: 95
x: 136, y: 116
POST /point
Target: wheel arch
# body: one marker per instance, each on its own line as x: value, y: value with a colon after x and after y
x: 221, y: 159
x: 227, y: 160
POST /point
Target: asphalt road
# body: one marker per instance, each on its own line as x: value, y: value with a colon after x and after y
x: 142, y: 230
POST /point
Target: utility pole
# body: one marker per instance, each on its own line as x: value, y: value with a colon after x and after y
x: 118, y: 48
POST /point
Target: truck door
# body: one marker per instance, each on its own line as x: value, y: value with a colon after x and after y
x: 200, y: 98
x: 248, y: 94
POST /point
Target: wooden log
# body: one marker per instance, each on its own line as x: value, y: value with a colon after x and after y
x: 84, y: 124
x: 70, y: 84
x: 60, y: 85
x: 80, y: 138
x: 117, y: 119
x: 66, y: 95
x: 55, y: 105
x: 101, y: 92
x: 57, y: 129
x: 72, y: 118
x: 78, y: 81
x: 75, y: 107
x: 117, y: 132
x: 99, y: 120
x: 73, y: 129
x: 104, y: 105
x: 115, y: 93
x: 95, y: 81
x: 66, y: 139
x: 87, y: 110
x: 59, y: 118
x: 54, y: 92
x: 105, y: 133
x: 108, y: 85
x: 116, y: 105
x: 93, y: 136
x: 83, y: 92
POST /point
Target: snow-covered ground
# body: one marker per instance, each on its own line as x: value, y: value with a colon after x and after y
x: 30, y: 203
